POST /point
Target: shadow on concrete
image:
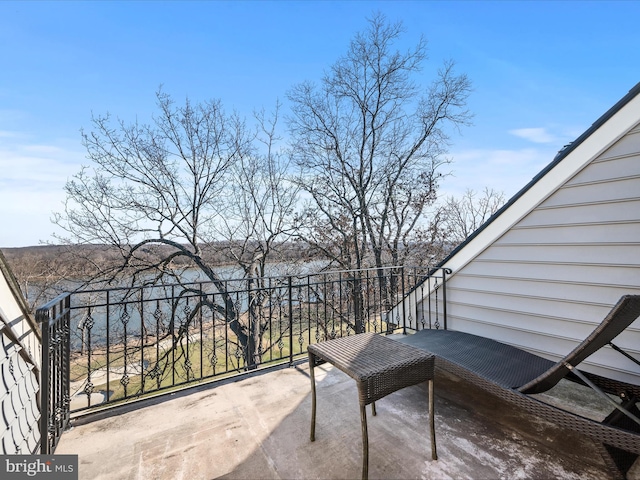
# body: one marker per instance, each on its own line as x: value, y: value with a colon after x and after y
x: 258, y: 428
x: 479, y: 437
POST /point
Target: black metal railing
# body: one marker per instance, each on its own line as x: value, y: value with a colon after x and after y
x: 425, y: 305
x: 54, y: 319
x: 105, y: 346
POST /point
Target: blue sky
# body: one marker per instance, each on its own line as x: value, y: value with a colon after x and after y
x: 542, y: 72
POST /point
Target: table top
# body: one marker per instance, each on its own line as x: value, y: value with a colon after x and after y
x: 378, y: 364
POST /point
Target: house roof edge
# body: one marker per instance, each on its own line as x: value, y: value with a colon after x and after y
x: 14, y: 287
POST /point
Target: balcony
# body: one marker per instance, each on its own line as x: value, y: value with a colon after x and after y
x: 211, y: 381
x: 257, y: 426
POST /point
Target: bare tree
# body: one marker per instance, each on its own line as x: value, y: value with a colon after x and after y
x: 155, y: 184
x: 159, y: 193
x: 464, y: 215
x: 370, y: 143
x: 259, y: 208
x: 257, y: 223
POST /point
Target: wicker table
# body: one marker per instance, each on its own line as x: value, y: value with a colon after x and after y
x: 379, y: 366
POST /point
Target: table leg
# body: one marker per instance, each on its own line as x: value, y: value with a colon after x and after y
x: 312, y: 363
x: 432, y: 427
x: 373, y: 408
x: 365, y: 443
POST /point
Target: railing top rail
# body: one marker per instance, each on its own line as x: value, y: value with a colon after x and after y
x: 41, y: 311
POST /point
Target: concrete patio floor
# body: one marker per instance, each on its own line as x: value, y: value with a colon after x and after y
x: 258, y: 427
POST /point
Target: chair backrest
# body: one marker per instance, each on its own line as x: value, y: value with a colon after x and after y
x: 618, y: 319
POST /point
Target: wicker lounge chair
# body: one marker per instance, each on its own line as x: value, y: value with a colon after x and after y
x: 513, y: 374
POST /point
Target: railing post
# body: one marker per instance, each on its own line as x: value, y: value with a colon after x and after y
x: 415, y: 299
x: 42, y: 317
x: 251, y: 344
x: 67, y: 361
x: 290, y: 289
x: 445, y: 271
x: 356, y: 292
x: 404, y: 313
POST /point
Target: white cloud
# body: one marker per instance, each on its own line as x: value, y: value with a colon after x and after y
x: 26, y: 216
x: 38, y: 168
x: 32, y: 179
x: 502, y: 170
x: 535, y: 135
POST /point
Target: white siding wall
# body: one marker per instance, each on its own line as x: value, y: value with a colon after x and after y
x: 552, y: 276
x: 18, y: 320
x: 19, y: 372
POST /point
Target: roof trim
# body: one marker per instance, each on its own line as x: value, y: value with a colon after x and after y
x: 634, y: 92
x: 14, y: 286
